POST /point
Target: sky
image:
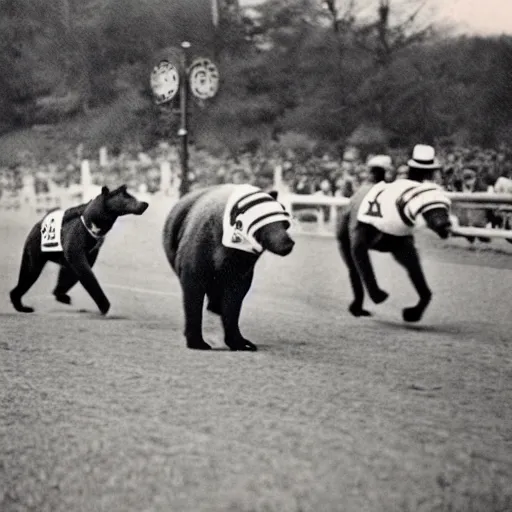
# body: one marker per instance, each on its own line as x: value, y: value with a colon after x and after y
x: 480, y: 16
x: 485, y: 17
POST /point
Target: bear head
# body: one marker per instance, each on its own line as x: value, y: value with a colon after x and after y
x: 274, y: 237
x: 438, y: 220
x: 121, y: 202
x: 268, y: 223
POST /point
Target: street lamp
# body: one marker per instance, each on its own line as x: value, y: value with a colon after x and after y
x: 183, y: 131
x: 169, y: 77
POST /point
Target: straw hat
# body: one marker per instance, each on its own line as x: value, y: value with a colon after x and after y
x: 424, y: 157
x: 383, y: 161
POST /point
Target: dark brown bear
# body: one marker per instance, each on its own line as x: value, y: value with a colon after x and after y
x: 213, y: 239
x: 82, y: 233
x: 382, y: 217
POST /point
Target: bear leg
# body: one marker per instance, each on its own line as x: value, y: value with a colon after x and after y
x: 67, y: 279
x: 234, y: 293
x: 32, y: 264
x: 407, y: 255
x: 80, y: 266
x: 356, y: 306
x: 193, y: 300
x: 359, y: 249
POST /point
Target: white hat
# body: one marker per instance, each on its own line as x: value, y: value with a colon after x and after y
x: 423, y: 157
x: 383, y: 161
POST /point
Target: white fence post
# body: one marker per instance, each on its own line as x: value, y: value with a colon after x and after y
x: 28, y: 194
x: 278, y: 178
x: 89, y: 190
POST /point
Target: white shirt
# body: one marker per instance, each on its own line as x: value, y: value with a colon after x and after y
x: 395, y: 208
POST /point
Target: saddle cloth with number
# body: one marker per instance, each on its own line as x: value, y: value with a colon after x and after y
x: 51, y: 228
x: 396, y: 208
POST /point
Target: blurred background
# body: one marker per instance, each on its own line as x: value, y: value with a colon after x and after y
x: 315, y: 87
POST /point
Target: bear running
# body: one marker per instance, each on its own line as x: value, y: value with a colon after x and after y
x: 72, y: 238
x: 382, y: 217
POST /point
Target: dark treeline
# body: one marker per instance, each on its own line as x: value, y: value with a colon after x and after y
x: 287, y: 66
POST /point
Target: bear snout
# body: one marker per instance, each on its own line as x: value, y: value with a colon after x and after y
x: 285, y: 247
x: 143, y: 206
x: 445, y: 231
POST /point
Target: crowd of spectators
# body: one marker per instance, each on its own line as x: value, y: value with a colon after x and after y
x: 462, y: 169
x: 331, y: 174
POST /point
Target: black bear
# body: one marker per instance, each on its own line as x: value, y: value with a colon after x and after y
x: 213, y: 238
x: 382, y: 217
x: 72, y: 238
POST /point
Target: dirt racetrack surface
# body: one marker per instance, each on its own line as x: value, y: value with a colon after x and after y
x: 333, y: 413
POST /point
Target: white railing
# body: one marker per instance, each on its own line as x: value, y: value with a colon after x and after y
x: 472, y: 200
x: 27, y: 202
x: 30, y: 202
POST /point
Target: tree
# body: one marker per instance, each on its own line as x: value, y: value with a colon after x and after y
x: 384, y: 39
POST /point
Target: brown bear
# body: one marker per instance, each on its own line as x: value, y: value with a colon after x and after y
x: 382, y: 217
x: 213, y: 238
x: 72, y: 238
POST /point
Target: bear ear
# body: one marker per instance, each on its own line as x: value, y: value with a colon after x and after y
x: 104, y: 190
x: 273, y: 194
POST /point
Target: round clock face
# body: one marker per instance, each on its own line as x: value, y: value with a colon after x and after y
x: 204, y: 79
x: 165, y: 82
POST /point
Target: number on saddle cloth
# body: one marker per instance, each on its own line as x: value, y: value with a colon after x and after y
x: 51, y: 232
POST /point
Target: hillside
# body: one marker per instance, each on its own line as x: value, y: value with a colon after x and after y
x: 79, y: 75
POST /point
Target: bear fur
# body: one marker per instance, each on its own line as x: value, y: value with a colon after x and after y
x: 356, y: 238
x: 192, y: 238
x: 83, y: 230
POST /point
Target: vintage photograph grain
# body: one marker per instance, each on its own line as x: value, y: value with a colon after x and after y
x: 255, y: 256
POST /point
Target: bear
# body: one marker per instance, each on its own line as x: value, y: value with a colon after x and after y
x: 213, y: 238
x: 382, y: 217
x: 72, y: 238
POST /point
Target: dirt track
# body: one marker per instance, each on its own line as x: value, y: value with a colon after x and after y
x: 332, y: 414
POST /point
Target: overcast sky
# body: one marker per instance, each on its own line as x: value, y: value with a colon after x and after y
x: 482, y: 16
x: 472, y: 16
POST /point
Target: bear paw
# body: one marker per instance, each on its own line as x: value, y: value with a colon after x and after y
x: 357, y: 310
x: 18, y: 306
x: 104, y: 308
x: 242, y: 345
x: 64, y: 298
x: 24, y: 309
x: 198, y: 345
x: 413, y: 314
x: 378, y: 296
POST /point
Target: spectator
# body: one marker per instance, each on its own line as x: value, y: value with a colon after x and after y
x: 303, y: 185
x: 379, y: 166
x: 423, y: 163
x: 325, y: 190
x: 468, y: 180
x: 472, y: 217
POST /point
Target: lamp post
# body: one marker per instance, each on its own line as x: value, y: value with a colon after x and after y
x: 183, y: 131
x: 172, y: 75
